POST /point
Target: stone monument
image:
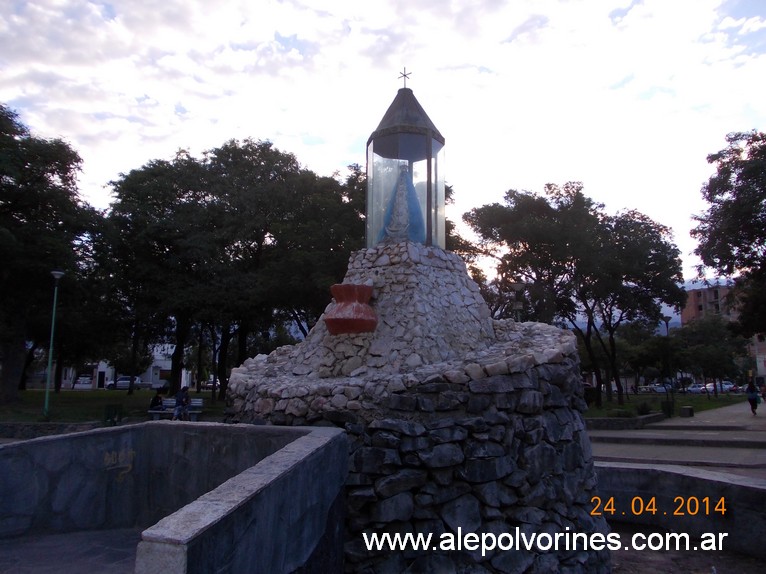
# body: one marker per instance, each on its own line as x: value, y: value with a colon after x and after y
x: 459, y: 423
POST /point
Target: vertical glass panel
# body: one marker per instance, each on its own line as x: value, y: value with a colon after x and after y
x: 398, y: 189
x: 381, y: 185
x: 439, y: 231
x: 373, y: 217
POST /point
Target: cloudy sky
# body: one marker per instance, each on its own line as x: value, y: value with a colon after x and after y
x: 627, y: 96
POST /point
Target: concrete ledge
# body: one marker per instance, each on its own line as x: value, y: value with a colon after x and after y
x: 619, y: 423
x: 26, y: 431
x: 672, y: 486
x: 267, y: 519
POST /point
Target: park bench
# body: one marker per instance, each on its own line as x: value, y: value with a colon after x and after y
x: 194, y: 410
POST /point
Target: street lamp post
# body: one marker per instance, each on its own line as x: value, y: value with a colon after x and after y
x: 56, y: 276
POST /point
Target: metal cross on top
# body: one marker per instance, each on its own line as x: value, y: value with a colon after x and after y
x: 404, y: 75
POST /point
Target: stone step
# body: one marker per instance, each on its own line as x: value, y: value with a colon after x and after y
x: 706, y: 441
x: 710, y: 456
x: 691, y: 426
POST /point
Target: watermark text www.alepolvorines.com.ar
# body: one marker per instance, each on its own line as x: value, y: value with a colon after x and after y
x: 518, y: 539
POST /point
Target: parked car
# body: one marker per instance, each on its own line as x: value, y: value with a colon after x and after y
x: 662, y: 387
x: 123, y: 383
x: 83, y: 381
x: 696, y: 388
x: 722, y: 387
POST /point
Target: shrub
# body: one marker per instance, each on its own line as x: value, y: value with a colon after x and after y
x: 643, y: 408
x: 590, y: 395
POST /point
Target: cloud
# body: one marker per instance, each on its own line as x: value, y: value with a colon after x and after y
x: 527, y: 30
x: 626, y: 96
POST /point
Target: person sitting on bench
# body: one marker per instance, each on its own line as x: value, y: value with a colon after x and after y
x: 156, y: 404
x: 181, y: 411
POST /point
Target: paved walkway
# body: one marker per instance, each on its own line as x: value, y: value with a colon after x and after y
x: 728, y: 439
x: 112, y: 551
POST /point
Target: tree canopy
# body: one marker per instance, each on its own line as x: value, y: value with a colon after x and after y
x: 732, y: 231
x: 44, y: 226
x: 582, y: 267
x: 237, y: 243
x: 710, y: 347
x: 233, y: 242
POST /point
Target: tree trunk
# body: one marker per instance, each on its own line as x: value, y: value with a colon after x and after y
x: 200, y: 345
x: 299, y: 323
x: 12, y: 355
x: 587, y: 340
x: 58, y: 373
x: 615, y: 369
x: 242, y: 333
x: 27, y: 363
x: 134, y: 341
x: 223, y: 361
x: 183, y: 328
x: 214, y: 350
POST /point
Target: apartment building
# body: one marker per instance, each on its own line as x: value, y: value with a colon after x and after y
x: 712, y: 300
x: 707, y: 301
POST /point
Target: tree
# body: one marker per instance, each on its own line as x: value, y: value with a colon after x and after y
x: 583, y: 267
x: 534, y: 238
x: 732, y: 231
x: 635, y: 346
x: 156, y: 254
x: 43, y: 226
x: 226, y: 246
x: 712, y: 347
x: 538, y: 240
x: 285, y: 237
x: 636, y: 269
x: 316, y: 235
x: 250, y: 182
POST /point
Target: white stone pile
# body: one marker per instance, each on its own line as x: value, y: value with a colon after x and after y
x: 429, y: 311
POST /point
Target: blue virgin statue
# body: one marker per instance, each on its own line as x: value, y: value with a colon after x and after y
x: 404, y: 218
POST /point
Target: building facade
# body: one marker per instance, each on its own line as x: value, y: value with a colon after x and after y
x: 713, y: 300
x: 707, y: 301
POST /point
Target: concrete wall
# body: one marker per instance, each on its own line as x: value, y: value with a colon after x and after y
x: 122, y: 476
x: 672, y: 487
x: 251, y: 498
x: 267, y: 519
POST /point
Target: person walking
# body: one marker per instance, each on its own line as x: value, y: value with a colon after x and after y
x: 752, y: 397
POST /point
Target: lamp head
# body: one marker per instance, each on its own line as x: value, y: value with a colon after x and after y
x: 57, y: 274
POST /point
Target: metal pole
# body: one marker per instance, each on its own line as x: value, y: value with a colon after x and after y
x: 56, y: 276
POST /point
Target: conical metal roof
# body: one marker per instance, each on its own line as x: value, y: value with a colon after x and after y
x: 406, y: 115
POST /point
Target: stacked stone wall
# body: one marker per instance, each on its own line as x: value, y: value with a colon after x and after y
x: 491, y: 442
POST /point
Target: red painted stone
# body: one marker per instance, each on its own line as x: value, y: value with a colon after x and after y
x: 351, y: 312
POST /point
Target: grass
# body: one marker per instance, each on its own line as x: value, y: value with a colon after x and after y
x: 635, y: 404
x: 70, y: 406
x: 84, y: 406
